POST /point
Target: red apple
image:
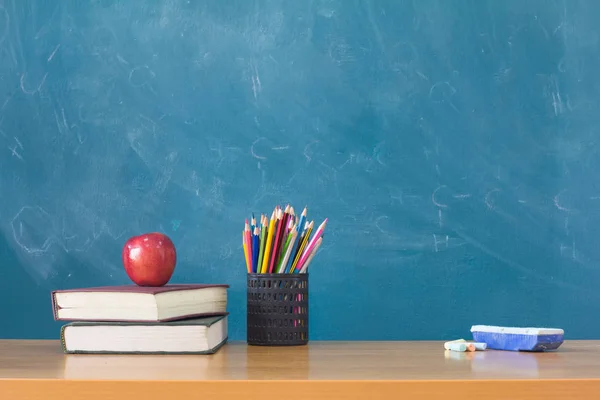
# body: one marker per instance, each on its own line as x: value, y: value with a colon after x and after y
x: 149, y: 259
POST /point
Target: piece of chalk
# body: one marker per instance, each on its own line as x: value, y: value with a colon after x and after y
x: 453, y: 341
x: 479, y: 346
x: 518, y: 339
x: 455, y: 346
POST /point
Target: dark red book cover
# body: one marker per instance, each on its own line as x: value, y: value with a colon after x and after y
x: 153, y: 290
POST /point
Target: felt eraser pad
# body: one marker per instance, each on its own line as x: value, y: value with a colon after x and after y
x: 518, y: 339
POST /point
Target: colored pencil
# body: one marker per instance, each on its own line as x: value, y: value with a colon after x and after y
x: 311, y: 244
x: 263, y: 233
x: 312, y: 254
x: 270, y: 234
x: 302, y: 246
x: 302, y: 220
x: 276, y: 235
x: 300, y: 237
x: 288, y: 252
x: 255, y: 248
x: 285, y: 243
x: 288, y: 236
x: 285, y: 236
x: 245, y: 250
x: 248, y: 242
x: 284, y: 249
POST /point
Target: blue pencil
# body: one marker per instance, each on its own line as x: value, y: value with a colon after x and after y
x: 255, y: 248
x: 301, y: 222
x: 299, y: 228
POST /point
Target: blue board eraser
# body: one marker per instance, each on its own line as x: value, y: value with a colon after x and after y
x: 518, y: 339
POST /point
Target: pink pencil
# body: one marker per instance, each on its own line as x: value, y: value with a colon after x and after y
x: 311, y: 245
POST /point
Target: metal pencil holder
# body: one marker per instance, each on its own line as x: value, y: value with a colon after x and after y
x: 277, y: 311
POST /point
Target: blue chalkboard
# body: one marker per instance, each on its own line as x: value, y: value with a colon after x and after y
x: 453, y: 145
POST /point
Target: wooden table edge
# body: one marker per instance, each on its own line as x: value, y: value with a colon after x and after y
x: 492, y: 389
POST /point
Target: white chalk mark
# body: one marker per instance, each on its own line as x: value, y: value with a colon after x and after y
x: 256, y: 85
x: 435, y: 243
x: 557, y: 103
x: 557, y: 203
x: 422, y: 75
x: 398, y: 197
x: 462, y: 195
x: 6, y: 102
x: 254, y: 88
x: 32, y: 91
x: 488, y: 198
x: 18, y: 238
x: 562, y: 249
x: 561, y: 63
x: 138, y: 71
x: 18, y: 142
x: 377, y: 222
x: 53, y: 53
x: 433, y: 199
x: 252, y: 149
x: 64, y: 118
x: 258, y: 79
x: 521, y: 201
x: 122, y: 60
x: 427, y: 152
x: 377, y: 152
x: 15, y: 153
x: 350, y: 160
x: 59, y: 125
x: 280, y: 148
x: 445, y: 93
x: 440, y: 217
x: 306, y: 149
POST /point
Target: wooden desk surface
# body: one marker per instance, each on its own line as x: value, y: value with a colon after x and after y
x: 349, y: 370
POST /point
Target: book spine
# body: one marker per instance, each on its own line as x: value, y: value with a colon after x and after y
x: 62, y: 338
x: 54, y: 305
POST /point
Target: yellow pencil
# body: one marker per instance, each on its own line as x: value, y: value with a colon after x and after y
x: 312, y: 254
x: 245, y: 251
x: 302, y: 245
x: 270, y: 234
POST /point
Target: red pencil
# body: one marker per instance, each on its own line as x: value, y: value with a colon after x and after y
x: 280, y: 227
x: 284, y: 232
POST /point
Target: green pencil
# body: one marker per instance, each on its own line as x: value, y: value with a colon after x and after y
x: 284, y: 250
x: 263, y: 235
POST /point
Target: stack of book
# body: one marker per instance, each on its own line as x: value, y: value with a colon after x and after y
x: 173, y: 319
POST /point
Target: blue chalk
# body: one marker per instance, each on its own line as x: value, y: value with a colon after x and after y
x: 518, y: 339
